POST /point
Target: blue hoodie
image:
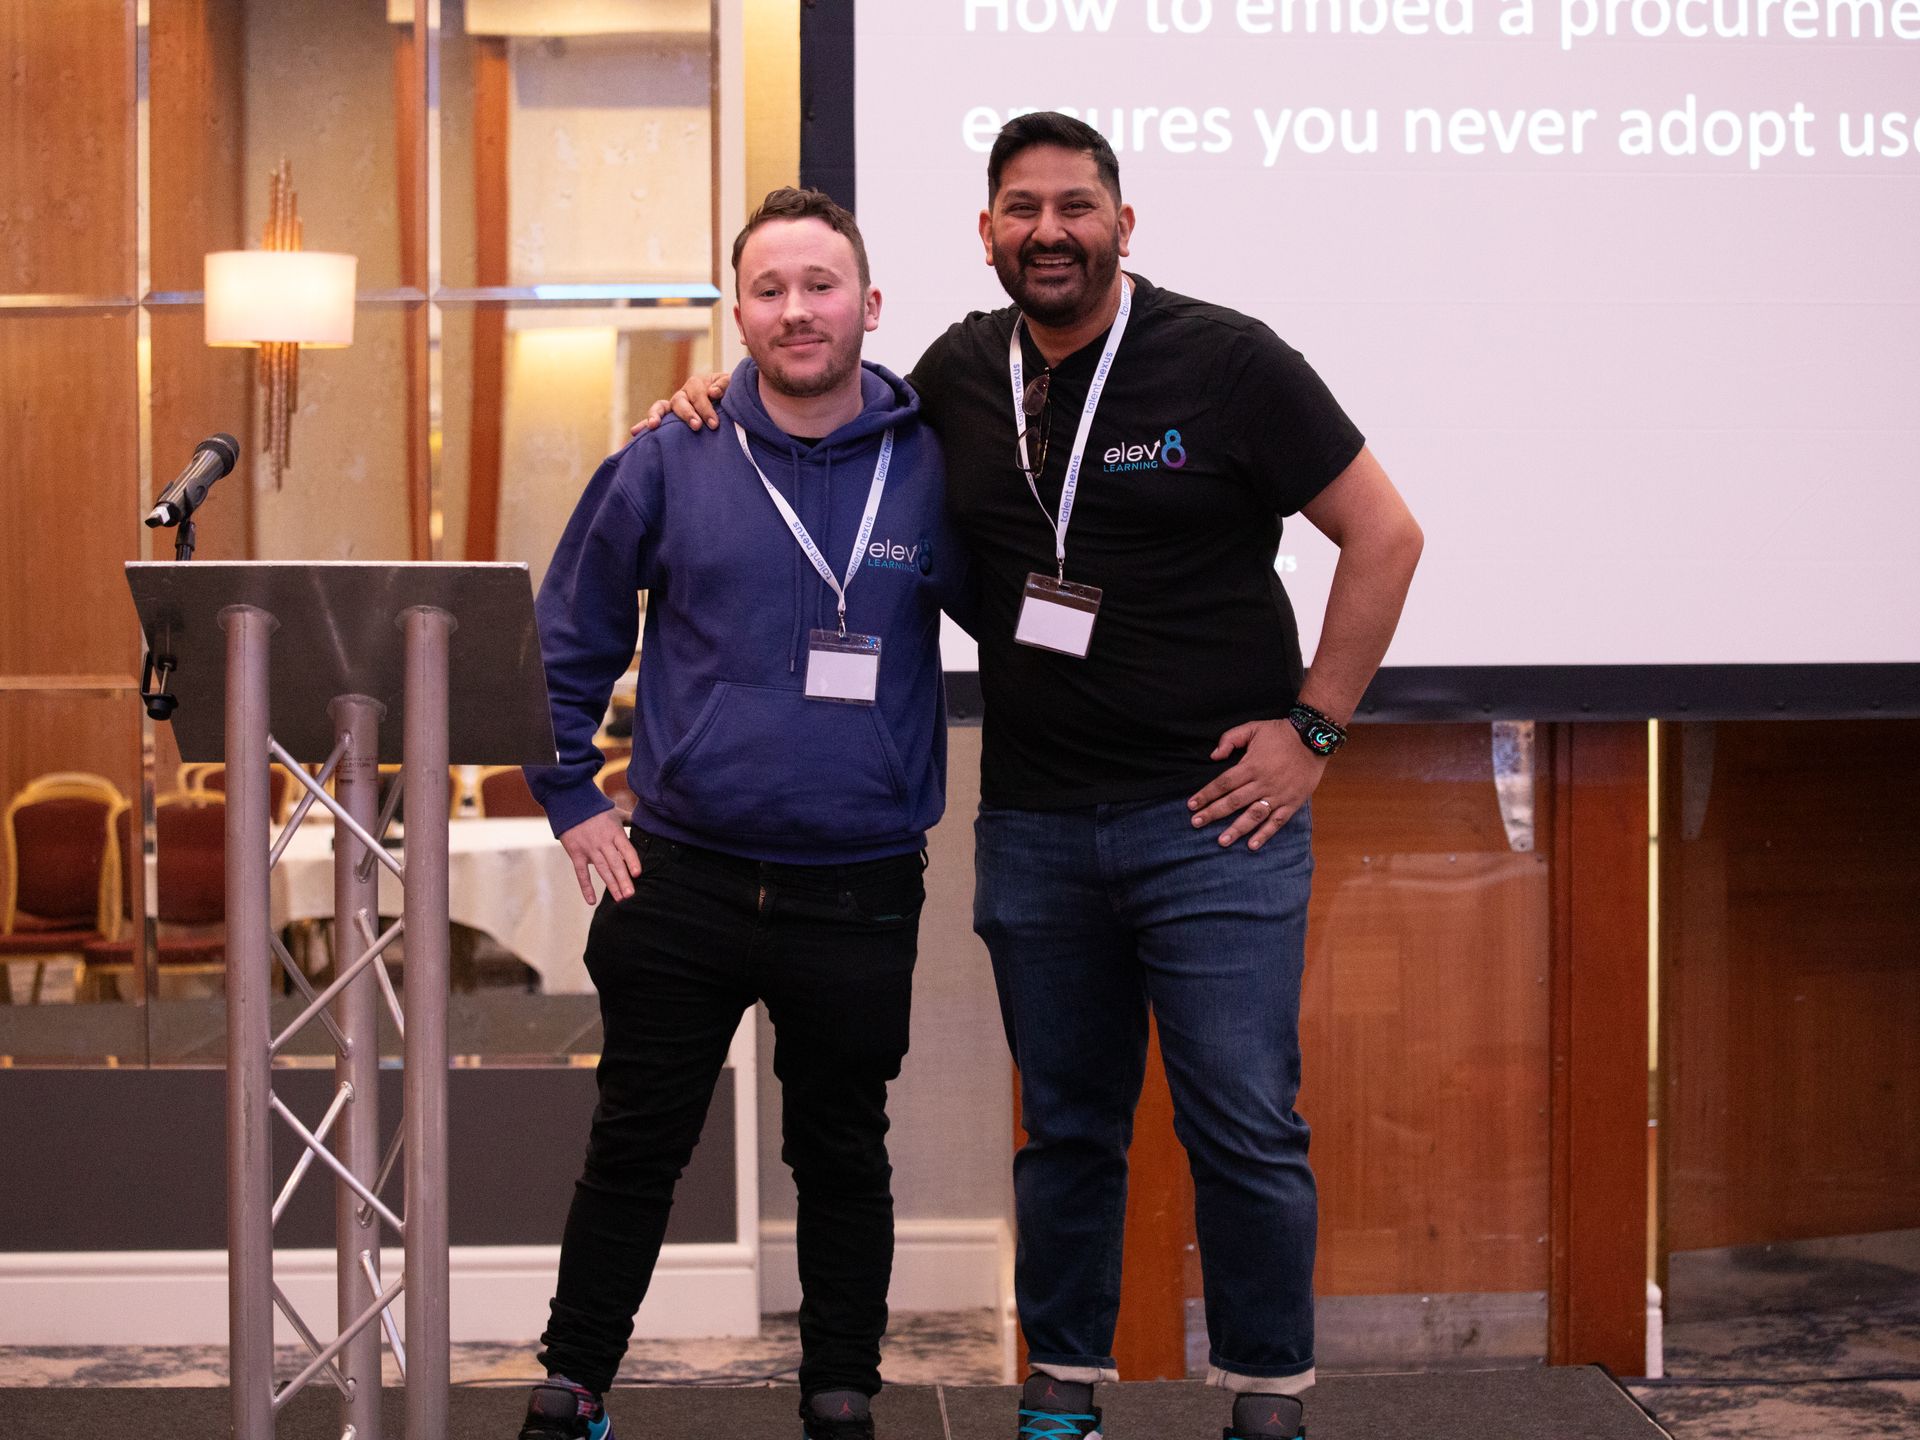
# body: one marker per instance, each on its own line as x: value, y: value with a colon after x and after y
x: 728, y: 752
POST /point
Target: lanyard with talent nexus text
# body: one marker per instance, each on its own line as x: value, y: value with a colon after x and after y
x: 1055, y: 613
x: 1071, y: 484
x: 800, y: 531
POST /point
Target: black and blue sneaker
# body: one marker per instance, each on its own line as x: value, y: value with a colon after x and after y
x: 562, y: 1410
x: 1053, y: 1409
x: 836, y: 1415
x: 1267, y: 1417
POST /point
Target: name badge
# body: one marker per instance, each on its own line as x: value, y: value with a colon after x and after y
x: 1057, y: 615
x: 843, y: 668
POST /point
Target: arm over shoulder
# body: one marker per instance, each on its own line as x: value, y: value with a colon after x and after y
x: 929, y: 374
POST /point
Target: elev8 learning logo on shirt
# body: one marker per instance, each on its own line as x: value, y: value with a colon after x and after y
x: 1168, y: 450
x: 892, y: 555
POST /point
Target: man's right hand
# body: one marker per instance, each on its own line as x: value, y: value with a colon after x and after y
x: 692, y: 402
x: 601, y: 844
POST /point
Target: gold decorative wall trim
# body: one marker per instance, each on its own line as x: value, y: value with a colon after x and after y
x: 59, y: 304
x: 70, y: 684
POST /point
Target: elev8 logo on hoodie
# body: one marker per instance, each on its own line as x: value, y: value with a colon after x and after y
x: 892, y: 555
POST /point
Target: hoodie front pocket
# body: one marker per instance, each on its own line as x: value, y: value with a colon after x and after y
x: 768, y: 762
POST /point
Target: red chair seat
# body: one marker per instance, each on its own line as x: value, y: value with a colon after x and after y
x: 213, y: 781
x: 190, y: 867
x: 504, y: 792
x: 45, y: 939
x: 171, y: 951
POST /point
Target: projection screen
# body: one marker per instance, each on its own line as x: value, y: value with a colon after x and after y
x: 1624, y: 293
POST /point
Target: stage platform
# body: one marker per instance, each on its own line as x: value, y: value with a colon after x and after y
x: 1561, y: 1404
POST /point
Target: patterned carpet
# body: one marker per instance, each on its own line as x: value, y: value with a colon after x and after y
x: 1773, y: 1331
x: 956, y: 1348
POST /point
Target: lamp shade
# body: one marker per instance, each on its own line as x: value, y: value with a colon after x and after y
x: 299, y: 296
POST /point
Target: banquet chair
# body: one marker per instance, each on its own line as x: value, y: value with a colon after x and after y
x: 456, y: 787
x: 503, y: 791
x: 191, y: 775
x: 613, y: 784
x: 190, y: 837
x: 210, y: 778
x: 63, y: 870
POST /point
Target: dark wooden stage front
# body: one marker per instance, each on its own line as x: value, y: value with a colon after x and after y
x: 1536, y: 1404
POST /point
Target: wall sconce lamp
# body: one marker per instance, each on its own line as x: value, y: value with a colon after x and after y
x: 280, y: 298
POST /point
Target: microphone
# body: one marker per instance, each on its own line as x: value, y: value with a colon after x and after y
x: 212, y: 458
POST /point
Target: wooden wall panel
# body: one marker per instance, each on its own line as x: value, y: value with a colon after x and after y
x: 68, y: 435
x: 492, y: 115
x: 1425, y: 1022
x: 196, y: 82
x: 1596, y: 1310
x: 1790, y: 991
x: 410, y: 203
x: 198, y: 391
x: 68, y: 394
x: 66, y: 148
x: 44, y: 731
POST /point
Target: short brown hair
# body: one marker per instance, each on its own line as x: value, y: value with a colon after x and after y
x: 787, y: 203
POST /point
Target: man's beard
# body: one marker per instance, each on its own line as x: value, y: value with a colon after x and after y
x: 1059, y: 307
x: 842, y: 361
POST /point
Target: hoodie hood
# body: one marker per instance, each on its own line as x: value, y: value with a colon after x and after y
x: 886, y: 400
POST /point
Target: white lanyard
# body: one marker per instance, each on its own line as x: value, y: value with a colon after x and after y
x: 1071, y: 485
x: 800, y: 531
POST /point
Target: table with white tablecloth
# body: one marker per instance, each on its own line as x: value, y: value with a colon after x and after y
x: 507, y: 877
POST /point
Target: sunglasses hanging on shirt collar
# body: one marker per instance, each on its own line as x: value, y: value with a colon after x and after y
x: 1035, y: 407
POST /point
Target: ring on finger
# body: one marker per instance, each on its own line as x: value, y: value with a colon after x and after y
x: 1267, y: 803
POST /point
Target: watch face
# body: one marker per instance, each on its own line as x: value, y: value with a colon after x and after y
x: 1318, y: 733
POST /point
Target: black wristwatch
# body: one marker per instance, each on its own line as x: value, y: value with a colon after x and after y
x: 1318, y: 733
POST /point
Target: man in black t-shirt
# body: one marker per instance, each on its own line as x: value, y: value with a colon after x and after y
x: 1209, y: 430
x: 1120, y: 460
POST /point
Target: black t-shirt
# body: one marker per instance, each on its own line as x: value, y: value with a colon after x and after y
x: 1179, y: 530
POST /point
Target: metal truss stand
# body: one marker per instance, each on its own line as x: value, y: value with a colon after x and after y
x: 364, y: 642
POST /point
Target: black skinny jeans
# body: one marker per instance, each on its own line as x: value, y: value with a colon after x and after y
x: 830, y: 949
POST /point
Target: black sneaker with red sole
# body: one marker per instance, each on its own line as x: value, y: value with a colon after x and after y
x: 559, y: 1411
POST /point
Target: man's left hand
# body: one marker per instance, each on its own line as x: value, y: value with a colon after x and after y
x: 1273, y: 779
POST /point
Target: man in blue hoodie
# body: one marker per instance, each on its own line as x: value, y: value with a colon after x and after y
x: 789, y: 755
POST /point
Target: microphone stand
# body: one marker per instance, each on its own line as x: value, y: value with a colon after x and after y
x: 161, y: 705
x: 226, y: 451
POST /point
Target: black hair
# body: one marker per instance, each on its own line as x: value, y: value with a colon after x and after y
x: 1050, y: 127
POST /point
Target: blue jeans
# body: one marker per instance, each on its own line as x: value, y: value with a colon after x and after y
x: 1091, y: 916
